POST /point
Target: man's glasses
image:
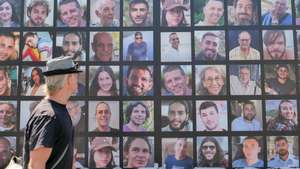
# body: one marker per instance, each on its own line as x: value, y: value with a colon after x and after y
x: 138, y: 37
x: 208, y: 147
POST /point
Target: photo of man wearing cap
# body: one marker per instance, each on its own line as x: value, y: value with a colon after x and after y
x: 49, y: 133
x: 101, y: 153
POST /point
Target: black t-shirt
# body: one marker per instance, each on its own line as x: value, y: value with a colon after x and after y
x: 50, y: 126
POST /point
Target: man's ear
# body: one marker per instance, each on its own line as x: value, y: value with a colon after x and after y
x: 81, y: 12
x: 98, y: 13
x: 186, y: 77
x: 28, y: 13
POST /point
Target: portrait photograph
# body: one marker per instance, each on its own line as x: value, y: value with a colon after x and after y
x: 278, y: 45
x: 280, y: 79
x: 174, y: 13
x: 245, y: 79
x: 242, y: 12
x: 10, y: 13
x: 104, y: 46
x: 8, y: 80
x: 8, y: 149
x: 105, y: 13
x: 71, y: 13
x: 276, y: 12
x: 9, y: 46
x: 33, y: 81
x: 175, y: 47
x: 104, y: 116
x: 71, y: 44
x: 104, y: 81
x: 79, y: 152
x: 210, y: 80
x: 137, y: 13
x: 246, y: 115
x: 138, y: 116
x: 212, y: 151
x: 177, y: 152
x: 139, y: 144
x: 176, y: 80
x: 38, y: 13
x: 101, y: 147
x: 209, y: 12
x: 176, y: 116
x: 297, y: 9
x: 8, y: 116
x: 210, y: 46
x: 37, y: 46
x: 244, y: 44
x: 27, y: 109
x: 281, y: 115
x: 211, y: 115
x: 78, y: 112
x: 138, y: 46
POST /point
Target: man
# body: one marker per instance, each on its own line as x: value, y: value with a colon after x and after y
x: 210, y: 116
x: 37, y: 12
x: 103, y: 115
x: 103, y: 47
x: 173, y: 53
x: 243, y: 85
x: 138, y: 13
x: 72, y: 46
x: 244, y: 51
x: 70, y: 14
x: 176, y: 82
x: 209, y: 47
x: 105, y: 12
x: 77, y: 117
x: 49, y: 134
x: 247, y: 120
x: 180, y: 158
x: 283, y: 157
x: 137, y: 50
x: 7, y: 116
x: 179, y: 117
x: 5, y: 152
x: 136, y: 116
x: 281, y: 84
x: 139, y: 81
x: 212, y: 11
x: 251, y: 149
x: 275, y: 46
x: 278, y: 14
x: 7, y: 47
x: 244, y: 12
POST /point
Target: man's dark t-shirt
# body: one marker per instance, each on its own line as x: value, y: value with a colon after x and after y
x: 288, y: 88
x: 50, y: 126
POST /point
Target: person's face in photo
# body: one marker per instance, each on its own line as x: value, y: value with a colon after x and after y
x: 36, y: 77
x: 244, y: 75
x: 6, y: 114
x: 180, y: 149
x: 174, y: 41
x: 209, y: 150
x: 6, y: 12
x: 102, y: 157
x: 106, y: 12
x: 287, y: 110
x: 3, y: 83
x: 70, y: 14
x: 7, y: 48
x: 177, y: 115
x: 213, y: 11
x: 32, y: 41
x: 4, y: 152
x: 249, y: 112
x: 74, y: 112
x: 209, y: 46
x: 71, y: 44
x: 279, y: 7
x: 282, y: 73
x: 244, y: 12
x: 282, y: 147
x: 277, y: 48
x: 174, y: 16
x: 138, y: 39
x: 210, y: 118
x: 138, y: 115
x: 251, y: 149
x: 139, y: 82
x: 73, y: 82
x: 105, y: 81
x: 244, y: 40
x: 213, y: 82
x: 138, y: 13
x: 103, y: 47
x: 103, y: 115
x: 38, y: 15
x: 138, y: 154
x: 175, y: 82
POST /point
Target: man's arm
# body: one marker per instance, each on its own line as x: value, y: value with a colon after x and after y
x: 39, y: 157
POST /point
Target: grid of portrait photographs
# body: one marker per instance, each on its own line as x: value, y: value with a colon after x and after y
x: 171, y: 83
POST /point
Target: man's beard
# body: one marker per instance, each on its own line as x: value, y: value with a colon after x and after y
x: 132, y: 92
x: 36, y: 24
x: 182, y: 125
x: 283, y: 152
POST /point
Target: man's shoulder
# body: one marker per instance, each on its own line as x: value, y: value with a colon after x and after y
x: 44, y: 108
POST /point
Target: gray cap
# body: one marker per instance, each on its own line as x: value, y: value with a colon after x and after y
x: 61, y: 65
